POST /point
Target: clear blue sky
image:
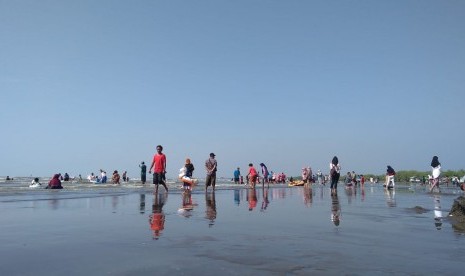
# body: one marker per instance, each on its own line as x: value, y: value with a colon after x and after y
x: 92, y: 84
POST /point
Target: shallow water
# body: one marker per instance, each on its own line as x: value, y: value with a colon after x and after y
x: 276, y: 231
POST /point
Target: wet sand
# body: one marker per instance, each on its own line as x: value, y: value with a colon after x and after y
x: 280, y: 231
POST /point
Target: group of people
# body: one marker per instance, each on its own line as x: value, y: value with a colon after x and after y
x: 253, y: 176
x: 102, y: 179
x: 158, y: 166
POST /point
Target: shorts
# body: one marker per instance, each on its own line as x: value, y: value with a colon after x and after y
x: 159, y: 178
x: 210, y: 180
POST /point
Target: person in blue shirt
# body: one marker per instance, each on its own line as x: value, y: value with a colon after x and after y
x: 237, y: 176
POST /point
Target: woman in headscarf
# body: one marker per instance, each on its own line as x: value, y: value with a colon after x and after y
x: 55, y: 182
x: 334, y: 172
x: 436, y: 168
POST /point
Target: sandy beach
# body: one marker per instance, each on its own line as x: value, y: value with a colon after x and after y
x: 127, y: 230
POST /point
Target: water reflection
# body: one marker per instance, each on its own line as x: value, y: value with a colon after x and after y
x: 237, y: 197
x: 351, y: 191
x: 308, y: 196
x: 142, y: 203
x: 210, y: 211
x: 265, y: 200
x: 252, y: 198
x: 187, y: 205
x: 390, y: 195
x: 157, y: 218
x: 437, y: 212
x: 335, y: 209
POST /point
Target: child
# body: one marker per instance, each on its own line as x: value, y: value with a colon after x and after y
x: 252, y: 175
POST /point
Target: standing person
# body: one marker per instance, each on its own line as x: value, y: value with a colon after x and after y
x: 237, y: 176
x: 305, y: 175
x: 320, y: 178
x: 334, y: 172
x: 125, y: 178
x: 159, y: 168
x: 211, y: 167
x: 252, y: 175
x: 362, y: 180
x: 390, y: 173
x: 103, y: 174
x: 436, y: 167
x: 265, y: 174
x: 143, y: 172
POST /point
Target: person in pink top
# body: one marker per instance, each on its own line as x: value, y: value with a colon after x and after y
x: 252, y: 175
x: 159, y: 169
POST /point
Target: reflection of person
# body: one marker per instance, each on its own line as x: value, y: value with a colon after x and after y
x: 210, y: 212
x: 211, y: 167
x: 252, y: 198
x: 390, y: 173
x: 143, y: 172
x: 265, y: 201
x: 157, y: 218
x: 436, y: 168
x: 390, y: 197
x: 335, y: 209
x: 334, y: 172
x: 142, y: 203
x: 308, y: 195
x: 437, y: 212
x: 187, y: 205
x: 252, y: 175
x: 159, y: 168
x: 237, y: 176
x: 55, y: 182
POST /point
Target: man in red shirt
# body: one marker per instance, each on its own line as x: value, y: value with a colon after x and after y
x: 159, y: 168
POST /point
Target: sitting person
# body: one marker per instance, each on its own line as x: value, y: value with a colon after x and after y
x: 55, y: 182
x: 115, y: 178
x: 35, y: 183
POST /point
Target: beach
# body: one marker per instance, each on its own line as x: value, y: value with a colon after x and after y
x: 127, y: 230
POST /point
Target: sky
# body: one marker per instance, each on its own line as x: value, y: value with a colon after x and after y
x: 88, y: 85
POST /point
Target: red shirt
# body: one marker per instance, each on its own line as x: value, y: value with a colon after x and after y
x: 159, y: 161
x: 252, y: 171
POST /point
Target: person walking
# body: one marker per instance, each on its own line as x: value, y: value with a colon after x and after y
x: 159, y: 168
x: 211, y: 167
x: 335, y: 173
x: 436, y: 170
x: 143, y: 172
